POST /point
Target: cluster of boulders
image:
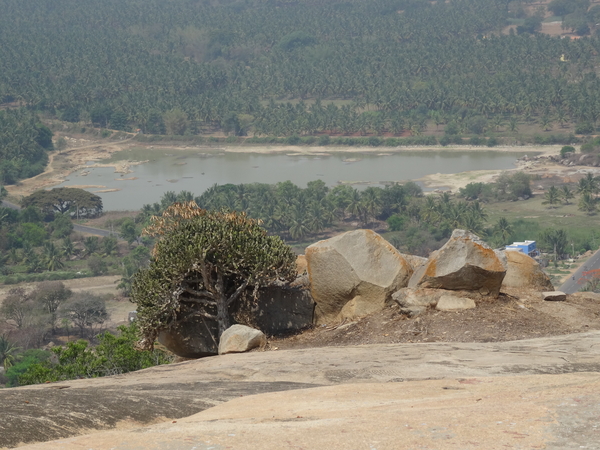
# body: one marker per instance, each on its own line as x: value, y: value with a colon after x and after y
x: 359, y: 273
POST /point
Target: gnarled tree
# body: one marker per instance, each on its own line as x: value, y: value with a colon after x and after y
x: 203, y: 264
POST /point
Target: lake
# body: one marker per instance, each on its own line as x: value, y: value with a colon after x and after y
x: 196, y: 170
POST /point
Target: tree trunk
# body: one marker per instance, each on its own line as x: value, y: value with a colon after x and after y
x: 222, y: 315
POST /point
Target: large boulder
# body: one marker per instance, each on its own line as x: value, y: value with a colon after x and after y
x: 464, y: 262
x: 240, y: 338
x: 284, y: 309
x: 524, y: 272
x: 194, y: 339
x: 353, y: 275
x: 279, y: 309
x: 301, y: 265
x: 414, y: 260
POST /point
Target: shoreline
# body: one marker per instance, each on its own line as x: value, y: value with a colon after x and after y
x: 64, y: 163
x: 539, y: 150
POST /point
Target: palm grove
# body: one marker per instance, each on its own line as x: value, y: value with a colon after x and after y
x: 187, y: 67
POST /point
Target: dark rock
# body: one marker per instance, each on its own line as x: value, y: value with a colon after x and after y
x: 554, y: 296
x: 194, y: 339
x: 284, y: 309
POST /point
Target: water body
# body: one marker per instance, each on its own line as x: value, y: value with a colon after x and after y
x: 197, y: 170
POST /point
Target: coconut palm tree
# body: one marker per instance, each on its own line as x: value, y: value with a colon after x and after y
x: 52, y: 257
x: 587, y: 203
x: 552, y: 196
x: 588, y: 184
x: 566, y: 194
x: 7, y: 352
x: 68, y: 248
x: 503, y: 229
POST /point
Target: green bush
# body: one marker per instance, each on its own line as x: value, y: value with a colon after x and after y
x: 445, y: 140
x: 112, y: 356
x: 24, y: 361
x: 375, y: 141
x: 492, y: 142
x: 324, y: 139
x: 566, y: 149
x: 396, y: 222
x: 293, y: 140
x: 45, y: 276
x: 584, y: 128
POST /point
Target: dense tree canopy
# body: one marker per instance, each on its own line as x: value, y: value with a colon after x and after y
x: 188, y: 66
x: 77, y: 202
x: 23, y: 145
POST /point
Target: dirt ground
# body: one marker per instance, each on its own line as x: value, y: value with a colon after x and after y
x: 117, y: 307
x: 515, y: 315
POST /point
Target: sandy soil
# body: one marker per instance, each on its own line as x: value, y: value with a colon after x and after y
x: 517, y: 314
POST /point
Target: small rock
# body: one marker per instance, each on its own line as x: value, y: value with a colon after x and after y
x: 451, y: 303
x: 240, y: 338
x: 409, y: 297
x: 413, y: 311
x: 554, y: 296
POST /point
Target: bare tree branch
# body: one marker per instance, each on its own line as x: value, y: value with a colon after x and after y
x: 198, y: 314
x: 237, y: 293
x: 211, y: 301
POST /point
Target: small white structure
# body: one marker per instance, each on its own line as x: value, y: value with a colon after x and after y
x: 527, y: 247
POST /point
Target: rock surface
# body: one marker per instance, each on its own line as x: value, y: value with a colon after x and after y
x: 408, y: 297
x: 414, y: 260
x: 353, y: 275
x: 240, y: 338
x: 554, y: 296
x: 453, y: 303
x: 464, y: 262
x: 533, y: 412
x: 525, y: 272
x: 301, y: 264
x: 194, y: 339
x: 283, y: 309
x: 474, y: 388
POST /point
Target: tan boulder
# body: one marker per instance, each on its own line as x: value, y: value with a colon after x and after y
x: 464, y: 262
x: 354, y: 274
x: 414, y: 260
x: 240, y: 338
x: 407, y: 297
x: 301, y: 265
x: 453, y: 303
x: 524, y: 272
